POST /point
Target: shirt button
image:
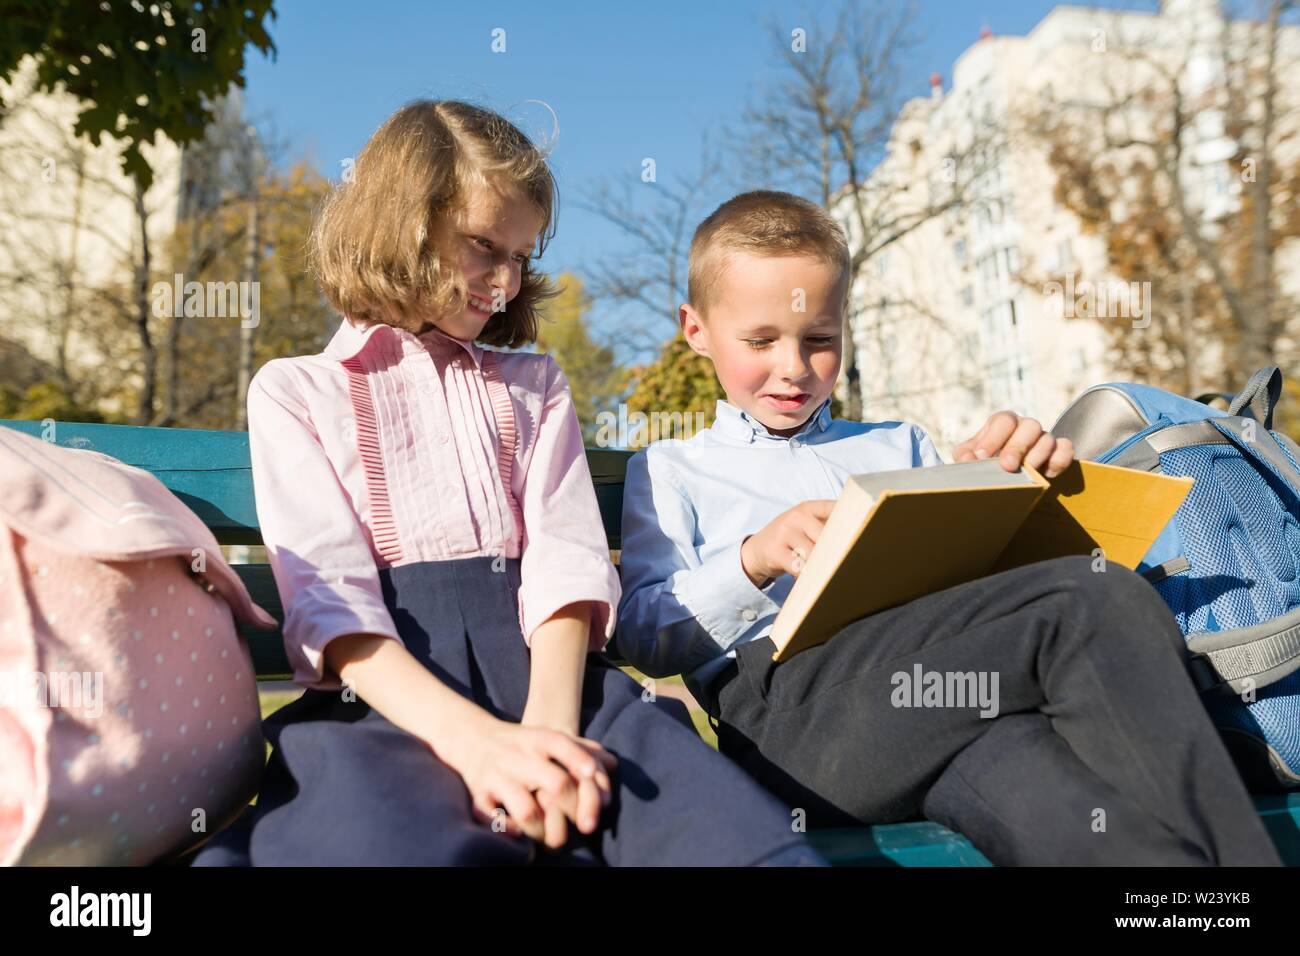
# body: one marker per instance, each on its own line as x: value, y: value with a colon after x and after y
x: 795, y: 443
x: 748, y: 615
x: 443, y: 438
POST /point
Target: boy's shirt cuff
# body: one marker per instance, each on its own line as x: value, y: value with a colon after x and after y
x: 722, y: 598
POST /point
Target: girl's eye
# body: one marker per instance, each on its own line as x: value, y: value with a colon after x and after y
x: 822, y: 340
x: 758, y: 343
x: 523, y: 259
x: 482, y: 243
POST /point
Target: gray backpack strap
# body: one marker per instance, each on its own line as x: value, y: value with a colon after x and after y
x: 1253, y: 438
x: 1242, y: 657
x: 1259, y: 398
x: 1256, y: 438
x: 1166, y: 569
x: 1145, y: 455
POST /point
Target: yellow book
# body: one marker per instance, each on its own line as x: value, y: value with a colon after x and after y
x: 898, y: 535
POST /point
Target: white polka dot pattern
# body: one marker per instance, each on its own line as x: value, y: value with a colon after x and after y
x: 165, y: 707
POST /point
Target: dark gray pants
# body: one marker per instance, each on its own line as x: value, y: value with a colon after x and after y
x: 1101, y: 751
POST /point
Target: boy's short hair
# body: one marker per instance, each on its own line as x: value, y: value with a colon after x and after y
x: 762, y: 223
x: 378, y: 244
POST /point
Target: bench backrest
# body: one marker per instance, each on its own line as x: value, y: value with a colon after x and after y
x: 210, y: 471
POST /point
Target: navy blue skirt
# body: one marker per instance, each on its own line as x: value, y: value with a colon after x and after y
x: 344, y: 786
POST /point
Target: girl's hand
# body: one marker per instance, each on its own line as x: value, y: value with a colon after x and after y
x: 593, y: 791
x: 529, y: 771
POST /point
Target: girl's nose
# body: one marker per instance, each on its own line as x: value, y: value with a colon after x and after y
x: 501, y: 277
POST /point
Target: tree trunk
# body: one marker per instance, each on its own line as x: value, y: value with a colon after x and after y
x: 1257, y: 334
x: 246, y: 330
x: 149, y: 356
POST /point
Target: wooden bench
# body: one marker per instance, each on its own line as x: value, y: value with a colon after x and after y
x: 210, y: 472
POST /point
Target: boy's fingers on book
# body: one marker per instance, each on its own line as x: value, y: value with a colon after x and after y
x: 802, y: 529
x: 1021, y: 442
x: 820, y: 508
x: 1039, y: 455
x: 1062, y: 456
x: 995, y: 433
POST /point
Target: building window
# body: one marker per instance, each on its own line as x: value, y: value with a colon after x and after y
x: 967, y: 296
x: 989, y: 269
x: 1013, y: 260
x: 1063, y: 254
x: 959, y: 250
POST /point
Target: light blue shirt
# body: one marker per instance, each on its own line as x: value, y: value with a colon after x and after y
x: 687, y: 506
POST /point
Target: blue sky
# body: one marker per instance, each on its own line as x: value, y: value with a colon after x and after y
x: 626, y: 79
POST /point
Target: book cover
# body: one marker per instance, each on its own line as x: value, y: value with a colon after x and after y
x: 896, y: 536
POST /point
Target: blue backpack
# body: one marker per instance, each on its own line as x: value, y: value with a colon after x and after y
x: 1228, y: 564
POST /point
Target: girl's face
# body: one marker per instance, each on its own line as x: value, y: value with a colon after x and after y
x: 493, y: 236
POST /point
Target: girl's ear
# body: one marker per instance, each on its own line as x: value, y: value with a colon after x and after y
x: 693, y: 329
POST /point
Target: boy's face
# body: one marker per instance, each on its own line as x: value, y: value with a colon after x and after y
x: 492, y: 237
x: 775, y: 362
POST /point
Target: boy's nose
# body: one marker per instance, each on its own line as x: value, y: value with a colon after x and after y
x: 794, y: 365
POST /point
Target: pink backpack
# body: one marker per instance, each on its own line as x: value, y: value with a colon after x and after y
x: 130, y: 728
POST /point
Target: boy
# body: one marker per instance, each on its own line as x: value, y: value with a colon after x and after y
x: 1100, y: 751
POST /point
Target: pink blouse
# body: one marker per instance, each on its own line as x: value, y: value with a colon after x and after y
x: 389, y: 449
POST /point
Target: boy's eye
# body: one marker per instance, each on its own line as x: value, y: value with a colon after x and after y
x: 758, y: 343
x: 822, y: 340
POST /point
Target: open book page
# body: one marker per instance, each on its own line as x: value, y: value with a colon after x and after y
x: 1115, y: 513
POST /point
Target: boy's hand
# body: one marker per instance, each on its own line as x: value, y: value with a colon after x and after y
x: 1017, y: 440
x: 784, y: 545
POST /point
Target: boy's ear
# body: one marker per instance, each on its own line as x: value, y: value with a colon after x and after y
x: 693, y: 330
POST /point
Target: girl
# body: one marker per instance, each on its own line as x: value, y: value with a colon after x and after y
x: 435, y: 539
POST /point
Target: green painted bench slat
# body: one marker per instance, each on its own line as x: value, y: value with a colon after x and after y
x: 928, y: 844
x: 210, y: 472
x: 266, y: 647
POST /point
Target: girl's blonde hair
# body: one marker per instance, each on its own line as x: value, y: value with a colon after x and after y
x: 380, y: 245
